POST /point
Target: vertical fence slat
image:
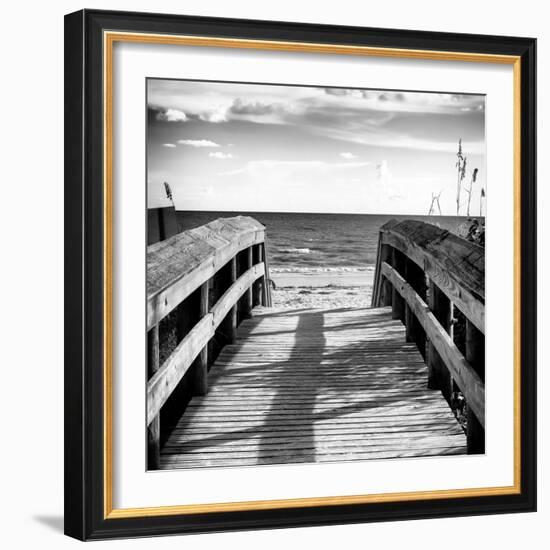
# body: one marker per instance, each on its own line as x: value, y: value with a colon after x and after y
x: 399, y: 264
x: 475, y: 355
x: 200, y: 369
x: 432, y: 357
x: 417, y: 279
x: 261, y: 281
x: 386, y: 287
x: 397, y: 302
x: 248, y: 294
x: 441, y: 308
x: 153, y: 430
x: 409, y: 316
x: 258, y: 285
x: 232, y: 315
x: 266, y: 291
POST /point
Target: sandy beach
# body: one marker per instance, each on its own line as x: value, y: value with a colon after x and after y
x: 321, y: 287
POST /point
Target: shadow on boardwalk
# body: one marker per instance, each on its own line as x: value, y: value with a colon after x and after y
x: 302, y: 346
x: 315, y: 386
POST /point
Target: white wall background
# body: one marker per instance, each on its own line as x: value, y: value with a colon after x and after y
x: 31, y: 324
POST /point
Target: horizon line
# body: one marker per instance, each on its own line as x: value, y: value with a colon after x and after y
x: 325, y: 213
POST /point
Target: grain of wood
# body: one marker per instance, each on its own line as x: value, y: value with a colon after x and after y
x: 315, y: 385
x: 179, y: 265
x: 455, y: 265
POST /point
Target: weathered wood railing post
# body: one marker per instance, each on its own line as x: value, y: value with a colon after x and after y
x: 475, y: 355
x: 257, y: 286
x: 386, y: 288
x: 230, y: 324
x: 248, y: 304
x: 245, y: 306
x: 153, y: 430
x: 200, y: 367
x: 439, y: 376
x: 397, y: 302
x: 417, y: 279
x: 264, y: 281
x: 213, y: 295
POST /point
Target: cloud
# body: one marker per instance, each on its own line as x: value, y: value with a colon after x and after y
x: 198, y: 142
x: 348, y: 156
x: 172, y: 115
x: 341, y: 108
x: 240, y: 107
x: 377, y: 136
x: 338, y: 92
x: 220, y: 155
x: 168, y: 145
x: 219, y: 114
x: 413, y: 102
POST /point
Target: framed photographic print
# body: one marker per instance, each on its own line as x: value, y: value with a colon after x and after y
x: 300, y: 274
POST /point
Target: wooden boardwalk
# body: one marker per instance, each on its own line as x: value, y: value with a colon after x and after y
x: 315, y: 386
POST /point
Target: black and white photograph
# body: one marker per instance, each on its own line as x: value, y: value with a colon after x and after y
x: 315, y: 274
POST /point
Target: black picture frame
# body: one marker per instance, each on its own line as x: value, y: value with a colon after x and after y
x: 85, y: 497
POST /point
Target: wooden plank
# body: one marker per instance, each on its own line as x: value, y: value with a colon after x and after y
x: 466, y: 377
x: 379, y: 408
x: 312, y: 404
x: 292, y: 456
x: 320, y: 397
x: 253, y: 426
x: 264, y: 461
x: 280, y: 448
x: 253, y: 433
x: 369, y: 406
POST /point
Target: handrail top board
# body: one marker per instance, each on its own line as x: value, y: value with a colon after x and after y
x: 179, y: 256
x: 458, y: 258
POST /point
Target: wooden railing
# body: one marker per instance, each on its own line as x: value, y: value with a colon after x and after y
x: 435, y: 283
x: 209, y: 279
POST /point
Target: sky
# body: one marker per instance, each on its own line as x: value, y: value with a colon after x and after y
x: 257, y: 148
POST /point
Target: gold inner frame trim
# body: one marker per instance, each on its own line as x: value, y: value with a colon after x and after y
x: 109, y: 39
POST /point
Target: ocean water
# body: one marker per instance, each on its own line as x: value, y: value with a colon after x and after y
x: 319, y: 242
